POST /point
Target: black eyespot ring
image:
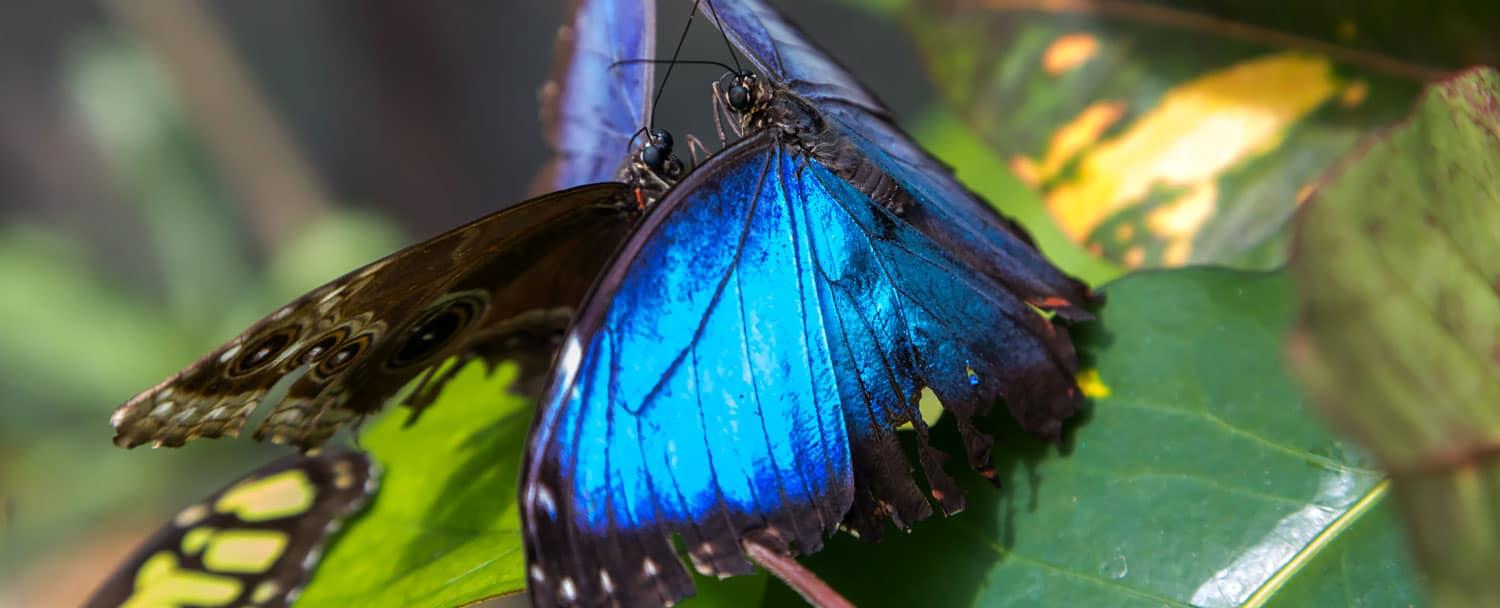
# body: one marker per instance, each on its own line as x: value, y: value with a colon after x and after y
x: 264, y: 350
x: 343, y: 356
x: 436, y: 329
x: 319, y: 349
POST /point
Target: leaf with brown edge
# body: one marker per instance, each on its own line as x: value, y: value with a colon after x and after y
x: 1197, y: 476
x: 1158, y: 136
x: 1398, y: 264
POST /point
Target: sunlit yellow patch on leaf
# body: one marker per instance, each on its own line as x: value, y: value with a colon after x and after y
x: 247, y: 551
x: 1176, y: 222
x: 930, y: 407
x: 1091, y: 384
x: 1026, y: 170
x: 1197, y: 131
x: 160, y: 583
x: 1080, y: 133
x: 276, y: 496
x: 1069, y: 51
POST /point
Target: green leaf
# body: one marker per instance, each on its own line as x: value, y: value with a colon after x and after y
x: 1155, y: 142
x: 1196, y: 477
x: 1400, y: 334
x: 444, y: 529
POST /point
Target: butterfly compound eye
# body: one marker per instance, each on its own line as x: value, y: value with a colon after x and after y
x: 662, y: 139
x: 435, y: 330
x: 657, y: 152
x: 653, y: 157
x: 738, y: 95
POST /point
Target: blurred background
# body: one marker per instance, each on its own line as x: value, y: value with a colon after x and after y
x: 172, y: 170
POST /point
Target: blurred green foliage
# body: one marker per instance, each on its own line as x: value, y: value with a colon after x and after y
x: 1400, y: 331
x: 79, y: 341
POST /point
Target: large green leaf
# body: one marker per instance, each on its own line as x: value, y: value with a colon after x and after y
x: 1399, y: 268
x: 1197, y: 477
x: 444, y: 529
x: 1155, y: 142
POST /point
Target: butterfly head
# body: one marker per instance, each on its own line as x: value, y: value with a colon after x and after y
x: 740, y: 94
x: 752, y: 103
x: 743, y: 93
x: 652, y: 168
x: 656, y: 155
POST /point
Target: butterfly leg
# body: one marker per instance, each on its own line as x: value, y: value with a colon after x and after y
x: 695, y: 146
x: 718, y: 110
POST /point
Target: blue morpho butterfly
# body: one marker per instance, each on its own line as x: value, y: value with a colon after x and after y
x: 739, y: 371
x: 502, y: 287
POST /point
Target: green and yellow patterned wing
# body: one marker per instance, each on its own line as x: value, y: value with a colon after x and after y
x: 253, y: 543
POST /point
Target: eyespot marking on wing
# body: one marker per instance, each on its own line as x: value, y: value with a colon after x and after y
x: 437, y: 327
x: 264, y: 351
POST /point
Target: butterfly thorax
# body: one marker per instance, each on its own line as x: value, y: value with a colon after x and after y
x: 757, y: 105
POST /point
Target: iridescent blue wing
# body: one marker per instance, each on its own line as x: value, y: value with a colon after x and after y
x: 939, y: 205
x: 739, y: 373
x: 590, y: 110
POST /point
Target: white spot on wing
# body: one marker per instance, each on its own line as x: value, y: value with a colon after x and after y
x: 568, y: 590
x: 229, y: 353
x: 649, y: 567
x: 544, y: 499
x: 537, y: 574
x: 606, y: 582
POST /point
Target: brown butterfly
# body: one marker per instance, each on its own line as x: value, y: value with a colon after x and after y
x: 502, y: 287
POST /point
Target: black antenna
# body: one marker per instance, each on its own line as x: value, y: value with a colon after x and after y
x: 719, y: 22
x: 721, y: 64
x: 656, y: 100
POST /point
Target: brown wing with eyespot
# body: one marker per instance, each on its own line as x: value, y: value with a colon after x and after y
x: 500, y: 287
